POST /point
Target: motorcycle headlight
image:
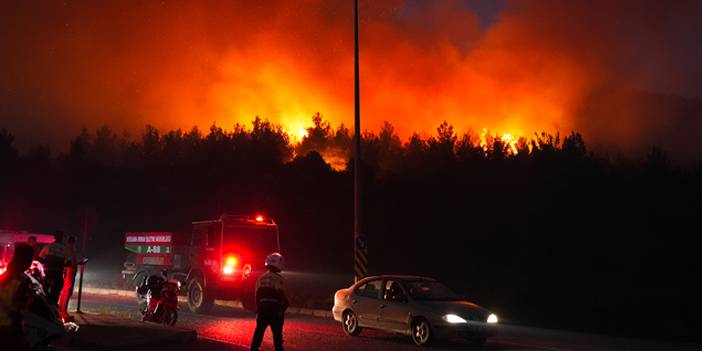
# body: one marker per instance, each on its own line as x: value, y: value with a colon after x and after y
x: 454, y: 319
x: 492, y: 318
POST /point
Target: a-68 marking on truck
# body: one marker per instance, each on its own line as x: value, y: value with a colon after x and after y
x: 222, y: 257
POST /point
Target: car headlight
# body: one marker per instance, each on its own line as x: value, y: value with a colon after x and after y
x: 454, y: 319
x: 492, y: 318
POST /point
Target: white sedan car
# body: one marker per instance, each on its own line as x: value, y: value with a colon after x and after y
x: 419, y: 307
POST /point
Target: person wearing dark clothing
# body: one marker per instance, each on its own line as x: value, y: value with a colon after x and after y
x: 15, y: 294
x: 32, y: 241
x: 392, y: 292
x: 152, y: 285
x: 271, y: 303
x: 54, y: 257
x: 69, y: 279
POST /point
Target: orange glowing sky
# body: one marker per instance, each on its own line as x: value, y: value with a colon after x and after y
x: 537, y: 65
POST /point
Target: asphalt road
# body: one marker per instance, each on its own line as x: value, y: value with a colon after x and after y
x: 235, y: 327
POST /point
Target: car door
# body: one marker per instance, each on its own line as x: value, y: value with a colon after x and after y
x: 394, y: 311
x: 366, y: 303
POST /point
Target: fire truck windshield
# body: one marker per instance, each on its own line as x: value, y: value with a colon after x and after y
x: 257, y: 239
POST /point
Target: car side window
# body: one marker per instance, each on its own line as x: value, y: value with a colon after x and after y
x: 371, y: 289
x: 392, y: 291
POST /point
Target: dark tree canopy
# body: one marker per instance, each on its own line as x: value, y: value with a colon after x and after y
x: 548, y: 228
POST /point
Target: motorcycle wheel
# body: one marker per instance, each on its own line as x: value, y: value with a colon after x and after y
x: 140, y: 296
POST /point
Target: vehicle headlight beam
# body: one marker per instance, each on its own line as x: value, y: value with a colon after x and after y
x: 454, y: 319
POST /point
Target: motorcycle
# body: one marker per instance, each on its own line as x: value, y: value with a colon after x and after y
x: 40, y: 320
x: 161, y: 297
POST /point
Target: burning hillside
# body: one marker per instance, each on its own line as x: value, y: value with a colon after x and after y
x: 529, y: 66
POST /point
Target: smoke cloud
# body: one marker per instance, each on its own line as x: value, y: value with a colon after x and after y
x: 604, y: 68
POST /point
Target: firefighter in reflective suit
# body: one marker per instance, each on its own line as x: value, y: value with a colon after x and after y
x: 271, y: 303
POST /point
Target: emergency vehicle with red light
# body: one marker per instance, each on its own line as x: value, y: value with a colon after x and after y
x: 10, y: 238
x: 221, y: 257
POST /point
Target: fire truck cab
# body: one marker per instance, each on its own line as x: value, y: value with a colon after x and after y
x: 222, y: 257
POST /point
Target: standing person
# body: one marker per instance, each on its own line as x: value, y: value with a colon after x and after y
x: 15, y: 293
x: 32, y: 241
x: 271, y: 303
x: 54, y: 257
x: 69, y: 279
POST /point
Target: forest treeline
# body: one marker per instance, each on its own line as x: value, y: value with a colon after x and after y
x: 549, y: 235
x: 382, y: 151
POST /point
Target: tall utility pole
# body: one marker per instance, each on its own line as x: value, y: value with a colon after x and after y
x: 359, y: 244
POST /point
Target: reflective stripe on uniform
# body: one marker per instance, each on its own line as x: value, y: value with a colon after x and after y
x: 270, y: 280
x: 270, y: 289
x: 54, y: 249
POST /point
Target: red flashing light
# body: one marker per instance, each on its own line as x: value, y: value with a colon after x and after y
x: 229, y: 265
x: 259, y: 218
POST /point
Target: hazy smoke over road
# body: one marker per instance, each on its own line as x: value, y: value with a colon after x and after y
x: 540, y: 65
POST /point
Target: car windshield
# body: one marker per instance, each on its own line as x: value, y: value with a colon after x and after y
x: 429, y: 290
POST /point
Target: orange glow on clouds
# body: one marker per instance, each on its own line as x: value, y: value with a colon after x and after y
x: 179, y: 64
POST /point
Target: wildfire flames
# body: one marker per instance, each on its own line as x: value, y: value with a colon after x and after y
x: 487, y: 140
x: 179, y: 64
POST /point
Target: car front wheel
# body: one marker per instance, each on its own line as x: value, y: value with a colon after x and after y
x: 421, y: 332
x: 350, y: 323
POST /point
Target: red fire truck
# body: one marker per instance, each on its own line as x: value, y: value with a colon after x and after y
x: 222, y: 257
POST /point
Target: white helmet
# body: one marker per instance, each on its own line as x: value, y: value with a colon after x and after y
x: 274, y: 260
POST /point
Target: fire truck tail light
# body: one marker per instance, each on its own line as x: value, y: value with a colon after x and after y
x: 259, y: 218
x: 230, y: 263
